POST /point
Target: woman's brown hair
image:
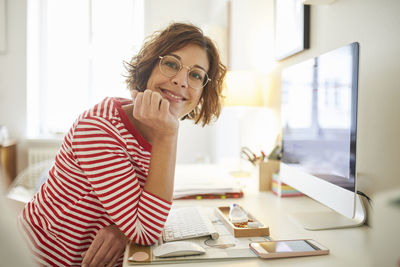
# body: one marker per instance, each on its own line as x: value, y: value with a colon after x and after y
x: 172, y: 38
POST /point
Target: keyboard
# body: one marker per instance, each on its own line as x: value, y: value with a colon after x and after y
x: 188, y: 222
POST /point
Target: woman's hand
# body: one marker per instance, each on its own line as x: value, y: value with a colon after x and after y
x: 106, y: 248
x: 152, y: 109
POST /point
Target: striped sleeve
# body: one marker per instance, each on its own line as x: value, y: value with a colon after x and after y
x: 99, y: 149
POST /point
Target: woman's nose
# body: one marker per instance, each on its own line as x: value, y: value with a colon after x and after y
x: 181, y: 78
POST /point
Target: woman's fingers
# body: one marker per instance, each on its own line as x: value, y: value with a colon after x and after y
x: 134, y: 93
x: 164, y: 106
x: 154, y: 111
x: 90, y: 254
x: 114, y: 256
x: 155, y: 102
x: 99, y: 258
x: 138, y: 105
x: 107, y: 255
x: 147, y: 104
x: 106, y: 247
x: 147, y: 98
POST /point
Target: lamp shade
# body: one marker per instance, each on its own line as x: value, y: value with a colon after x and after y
x: 242, y: 88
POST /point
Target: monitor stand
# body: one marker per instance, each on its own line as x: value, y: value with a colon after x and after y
x: 330, y: 219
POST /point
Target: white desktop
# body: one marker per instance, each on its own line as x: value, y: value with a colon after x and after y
x: 319, y: 134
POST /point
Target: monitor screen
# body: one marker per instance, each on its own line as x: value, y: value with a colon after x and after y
x: 319, y: 116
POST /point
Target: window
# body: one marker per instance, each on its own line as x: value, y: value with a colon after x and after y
x: 76, y: 50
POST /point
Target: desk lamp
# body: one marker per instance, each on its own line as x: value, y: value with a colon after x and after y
x: 242, y: 90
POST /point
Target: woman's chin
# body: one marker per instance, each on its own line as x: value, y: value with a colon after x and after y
x: 175, y: 112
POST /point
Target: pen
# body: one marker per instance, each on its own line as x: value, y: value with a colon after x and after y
x: 262, y: 155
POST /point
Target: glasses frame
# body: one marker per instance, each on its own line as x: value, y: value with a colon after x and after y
x: 180, y: 68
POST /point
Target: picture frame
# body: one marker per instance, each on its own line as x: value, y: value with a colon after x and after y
x: 292, y: 28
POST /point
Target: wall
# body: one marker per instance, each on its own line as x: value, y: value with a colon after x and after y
x: 252, y: 35
x: 251, y: 49
x: 210, y: 15
x: 13, y: 71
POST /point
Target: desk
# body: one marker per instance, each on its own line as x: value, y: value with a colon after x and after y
x: 348, y: 247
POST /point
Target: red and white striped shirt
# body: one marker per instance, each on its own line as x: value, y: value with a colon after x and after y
x: 97, y: 180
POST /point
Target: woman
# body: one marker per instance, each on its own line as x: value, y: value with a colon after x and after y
x: 113, y: 177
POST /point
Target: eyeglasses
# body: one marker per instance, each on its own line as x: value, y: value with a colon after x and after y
x: 170, y: 66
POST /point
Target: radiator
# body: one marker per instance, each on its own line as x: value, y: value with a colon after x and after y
x: 38, y: 154
x: 28, y: 180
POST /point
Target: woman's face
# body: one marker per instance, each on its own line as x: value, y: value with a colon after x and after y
x: 182, y: 98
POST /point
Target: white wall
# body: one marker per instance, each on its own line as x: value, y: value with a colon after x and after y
x: 210, y: 15
x: 252, y: 35
x: 13, y: 71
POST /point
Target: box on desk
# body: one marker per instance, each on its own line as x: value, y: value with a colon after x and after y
x: 281, y: 189
x: 223, y: 214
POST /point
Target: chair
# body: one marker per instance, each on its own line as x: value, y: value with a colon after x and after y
x: 13, y: 250
x: 14, y: 206
x: 28, y: 181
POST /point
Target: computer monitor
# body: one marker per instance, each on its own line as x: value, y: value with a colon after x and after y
x: 319, y: 134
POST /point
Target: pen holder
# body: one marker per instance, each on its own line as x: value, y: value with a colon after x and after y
x: 266, y: 169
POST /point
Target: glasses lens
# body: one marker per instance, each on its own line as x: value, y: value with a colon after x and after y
x: 170, y: 66
x: 197, y: 78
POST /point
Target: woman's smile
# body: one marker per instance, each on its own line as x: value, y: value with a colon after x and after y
x: 171, y: 96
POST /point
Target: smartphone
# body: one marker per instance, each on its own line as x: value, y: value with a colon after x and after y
x: 288, y: 248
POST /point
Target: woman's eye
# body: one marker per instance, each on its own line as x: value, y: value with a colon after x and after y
x: 196, y: 75
x: 172, y: 65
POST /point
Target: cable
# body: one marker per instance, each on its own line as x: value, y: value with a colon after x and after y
x: 370, y: 202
